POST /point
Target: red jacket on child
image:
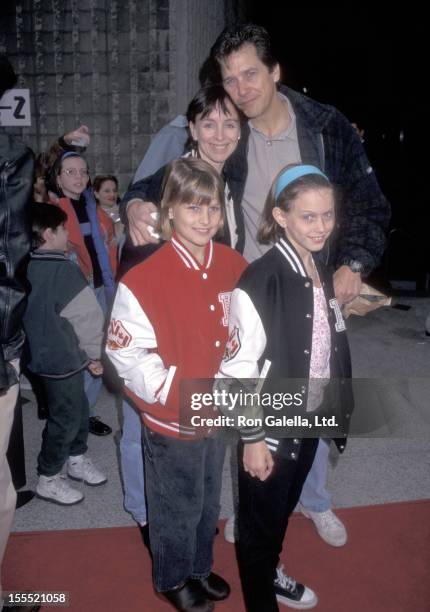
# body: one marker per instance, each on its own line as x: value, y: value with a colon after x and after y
x: 77, y: 241
x: 170, y: 323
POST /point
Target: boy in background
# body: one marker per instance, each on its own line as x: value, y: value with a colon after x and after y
x: 64, y: 327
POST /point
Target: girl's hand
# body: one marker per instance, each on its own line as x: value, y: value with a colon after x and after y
x: 257, y: 460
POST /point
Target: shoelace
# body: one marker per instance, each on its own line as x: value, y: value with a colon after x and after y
x: 284, y: 581
x: 88, y: 467
x: 328, y: 519
x: 61, y: 483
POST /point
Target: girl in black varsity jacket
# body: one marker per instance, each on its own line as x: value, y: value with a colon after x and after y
x: 285, y: 326
x: 169, y: 324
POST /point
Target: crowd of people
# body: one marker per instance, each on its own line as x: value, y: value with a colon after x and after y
x: 251, y: 221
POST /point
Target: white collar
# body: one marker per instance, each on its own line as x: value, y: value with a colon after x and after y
x: 291, y: 256
x: 188, y: 259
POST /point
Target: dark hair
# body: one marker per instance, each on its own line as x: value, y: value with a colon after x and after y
x: 188, y: 180
x: 102, y: 178
x: 209, y: 73
x: 270, y: 230
x: 233, y: 38
x: 55, y: 171
x: 206, y: 100
x: 44, y: 216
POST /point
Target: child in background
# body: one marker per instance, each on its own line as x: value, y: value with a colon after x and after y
x: 91, y: 231
x: 169, y: 322
x: 92, y: 243
x: 284, y: 323
x: 105, y: 189
x: 64, y: 327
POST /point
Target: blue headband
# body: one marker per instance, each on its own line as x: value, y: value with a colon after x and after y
x: 71, y: 154
x: 291, y: 174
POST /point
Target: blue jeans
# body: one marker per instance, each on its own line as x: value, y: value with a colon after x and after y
x: 315, y: 496
x: 93, y: 384
x: 183, y: 487
x: 132, y: 468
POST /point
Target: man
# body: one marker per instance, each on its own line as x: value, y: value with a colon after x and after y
x: 16, y: 170
x: 286, y: 127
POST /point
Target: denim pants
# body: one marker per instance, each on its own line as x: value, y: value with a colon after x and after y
x: 183, y: 487
x: 315, y: 496
x: 66, y: 429
x: 93, y: 384
x: 264, y: 510
x: 132, y: 468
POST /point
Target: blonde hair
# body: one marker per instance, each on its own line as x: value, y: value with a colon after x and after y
x: 270, y: 230
x: 189, y: 180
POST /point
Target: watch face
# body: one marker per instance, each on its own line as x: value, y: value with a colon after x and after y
x: 356, y: 266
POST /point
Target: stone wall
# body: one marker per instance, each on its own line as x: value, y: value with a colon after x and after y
x: 122, y: 67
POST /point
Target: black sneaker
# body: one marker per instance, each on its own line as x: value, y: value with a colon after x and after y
x: 292, y: 593
x: 98, y: 428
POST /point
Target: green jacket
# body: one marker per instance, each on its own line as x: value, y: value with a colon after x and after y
x: 63, y: 321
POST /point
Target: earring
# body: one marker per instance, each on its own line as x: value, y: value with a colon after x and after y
x: 170, y: 214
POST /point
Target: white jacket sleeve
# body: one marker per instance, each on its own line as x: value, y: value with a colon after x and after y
x: 245, y: 346
x: 246, y: 340
x: 131, y: 346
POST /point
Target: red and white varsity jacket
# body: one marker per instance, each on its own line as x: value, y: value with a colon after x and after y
x: 170, y: 322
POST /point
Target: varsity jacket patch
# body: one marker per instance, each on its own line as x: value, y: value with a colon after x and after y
x: 340, y: 323
x: 118, y: 336
x: 224, y: 299
x: 233, y: 344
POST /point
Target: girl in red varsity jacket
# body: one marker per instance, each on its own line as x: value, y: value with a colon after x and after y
x: 169, y: 323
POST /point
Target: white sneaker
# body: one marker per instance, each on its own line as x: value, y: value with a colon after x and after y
x: 81, y: 467
x: 292, y: 593
x: 230, y: 529
x: 56, y: 489
x: 329, y: 526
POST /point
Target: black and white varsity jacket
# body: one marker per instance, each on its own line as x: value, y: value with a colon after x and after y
x: 270, y: 334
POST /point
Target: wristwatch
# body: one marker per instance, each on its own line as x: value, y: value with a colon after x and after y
x: 354, y: 265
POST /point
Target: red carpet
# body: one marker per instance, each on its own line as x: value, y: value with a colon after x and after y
x: 385, y: 566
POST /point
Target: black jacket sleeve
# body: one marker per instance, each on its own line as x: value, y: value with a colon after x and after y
x: 147, y: 189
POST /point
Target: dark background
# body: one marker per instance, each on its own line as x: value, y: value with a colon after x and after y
x: 373, y: 67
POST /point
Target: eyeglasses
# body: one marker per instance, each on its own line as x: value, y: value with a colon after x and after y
x: 74, y: 172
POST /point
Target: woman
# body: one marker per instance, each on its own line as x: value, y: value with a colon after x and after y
x: 214, y: 125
